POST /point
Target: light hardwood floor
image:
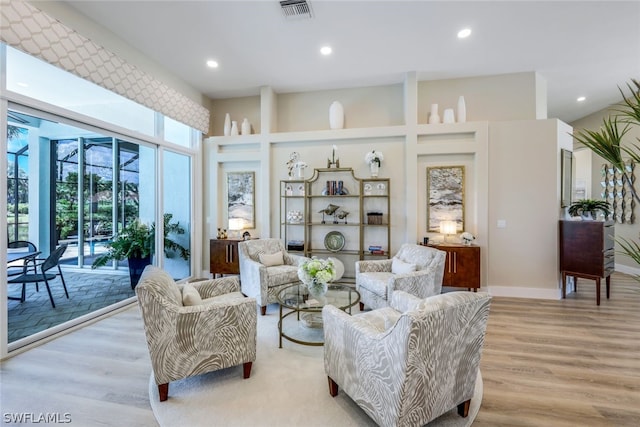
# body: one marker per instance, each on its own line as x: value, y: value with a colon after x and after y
x: 545, y: 363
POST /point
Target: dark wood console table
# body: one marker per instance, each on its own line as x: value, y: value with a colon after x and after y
x: 587, y: 251
x: 462, y: 266
x: 223, y: 256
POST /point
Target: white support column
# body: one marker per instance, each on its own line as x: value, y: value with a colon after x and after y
x: 410, y: 156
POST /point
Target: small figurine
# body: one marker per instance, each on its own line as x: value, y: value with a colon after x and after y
x: 329, y: 210
x: 341, y: 214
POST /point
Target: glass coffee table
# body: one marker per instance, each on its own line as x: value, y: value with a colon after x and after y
x: 302, y: 324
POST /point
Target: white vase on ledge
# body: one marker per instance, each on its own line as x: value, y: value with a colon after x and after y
x: 336, y: 115
x: 434, y: 117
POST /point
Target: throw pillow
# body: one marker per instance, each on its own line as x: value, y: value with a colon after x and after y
x: 269, y: 260
x: 400, y: 267
x: 190, y: 295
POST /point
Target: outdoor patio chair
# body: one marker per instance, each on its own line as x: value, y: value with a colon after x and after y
x: 16, y: 267
x: 42, y: 267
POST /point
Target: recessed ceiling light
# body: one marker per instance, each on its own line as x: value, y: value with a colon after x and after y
x: 326, y: 50
x: 463, y: 34
x: 212, y: 64
x: 581, y: 98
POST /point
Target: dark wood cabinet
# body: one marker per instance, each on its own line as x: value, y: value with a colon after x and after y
x: 223, y: 256
x: 462, y: 266
x: 587, y: 251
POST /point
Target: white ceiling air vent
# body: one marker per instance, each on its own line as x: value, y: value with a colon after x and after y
x: 296, y: 9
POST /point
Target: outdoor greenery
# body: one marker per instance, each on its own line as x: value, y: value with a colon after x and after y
x: 137, y: 239
x: 607, y: 142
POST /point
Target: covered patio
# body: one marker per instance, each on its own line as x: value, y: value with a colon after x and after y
x: 88, y: 291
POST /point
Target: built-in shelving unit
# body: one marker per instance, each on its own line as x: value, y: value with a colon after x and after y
x: 335, y: 213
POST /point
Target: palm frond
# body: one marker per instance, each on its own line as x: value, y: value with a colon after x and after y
x: 630, y: 107
x: 606, y: 142
x: 630, y: 249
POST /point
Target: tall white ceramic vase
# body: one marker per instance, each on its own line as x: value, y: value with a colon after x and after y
x: 434, y: 117
x: 336, y: 115
x: 234, y: 127
x: 462, y: 110
x: 227, y: 125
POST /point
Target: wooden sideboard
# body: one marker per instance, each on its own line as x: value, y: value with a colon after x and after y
x: 587, y: 251
x: 462, y: 266
x: 223, y: 256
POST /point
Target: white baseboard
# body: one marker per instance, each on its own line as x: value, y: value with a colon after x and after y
x: 536, y: 293
x: 628, y: 270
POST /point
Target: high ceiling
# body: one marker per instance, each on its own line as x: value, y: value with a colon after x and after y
x: 581, y: 48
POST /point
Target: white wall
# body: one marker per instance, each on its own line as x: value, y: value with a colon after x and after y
x: 512, y: 168
x: 524, y: 194
x: 502, y: 97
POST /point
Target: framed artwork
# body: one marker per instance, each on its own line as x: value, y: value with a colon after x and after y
x: 566, y: 184
x: 445, y: 196
x: 241, y: 198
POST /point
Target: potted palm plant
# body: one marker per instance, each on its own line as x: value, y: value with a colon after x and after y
x: 588, y: 208
x: 135, y: 243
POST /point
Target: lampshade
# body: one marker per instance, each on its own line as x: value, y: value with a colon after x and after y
x: 448, y: 227
x: 235, y: 224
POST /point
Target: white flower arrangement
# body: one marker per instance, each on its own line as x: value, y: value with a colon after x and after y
x: 467, y: 237
x: 318, y: 270
x: 374, y: 157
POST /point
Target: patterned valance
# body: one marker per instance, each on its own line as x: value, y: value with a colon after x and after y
x: 36, y: 33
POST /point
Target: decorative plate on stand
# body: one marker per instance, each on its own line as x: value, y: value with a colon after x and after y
x: 334, y: 241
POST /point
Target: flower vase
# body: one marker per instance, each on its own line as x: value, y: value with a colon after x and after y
x: 375, y: 168
x: 318, y: 290
x: 234, y: 128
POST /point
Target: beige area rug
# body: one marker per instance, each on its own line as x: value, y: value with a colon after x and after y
x: 287, y: 387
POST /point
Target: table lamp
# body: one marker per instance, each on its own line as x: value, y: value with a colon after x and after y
x: 235, y: 225
x: 448, y: 228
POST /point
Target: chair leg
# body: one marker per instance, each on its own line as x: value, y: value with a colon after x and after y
x: 246, y: 369
x: 263, y: 310
x: 163, y: 391
x: 463, y: 408
x: 64, y: 285
x: 46, y: 282
x: 23, y: 294
x: 361, y: 306
x: 333, y: 387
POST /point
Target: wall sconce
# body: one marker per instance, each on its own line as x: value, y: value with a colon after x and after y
x: 448, y: 228
x: 235, y: 225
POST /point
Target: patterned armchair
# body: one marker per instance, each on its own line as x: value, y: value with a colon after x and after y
x: 409, y: 363
x: 195, y: 328
x: 265, y: 267
x: 415, y: 269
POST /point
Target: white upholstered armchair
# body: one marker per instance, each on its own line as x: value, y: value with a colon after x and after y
x: 265, y: 267
x: 415, y: 269
x: 411, y: 362
x: 195, y: 328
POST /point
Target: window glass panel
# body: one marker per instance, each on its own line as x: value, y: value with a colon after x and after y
x: 177, y: 132
x: 177, y: 207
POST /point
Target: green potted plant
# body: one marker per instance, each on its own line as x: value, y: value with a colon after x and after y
x: 135, y: 243
x: 588, y: 208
